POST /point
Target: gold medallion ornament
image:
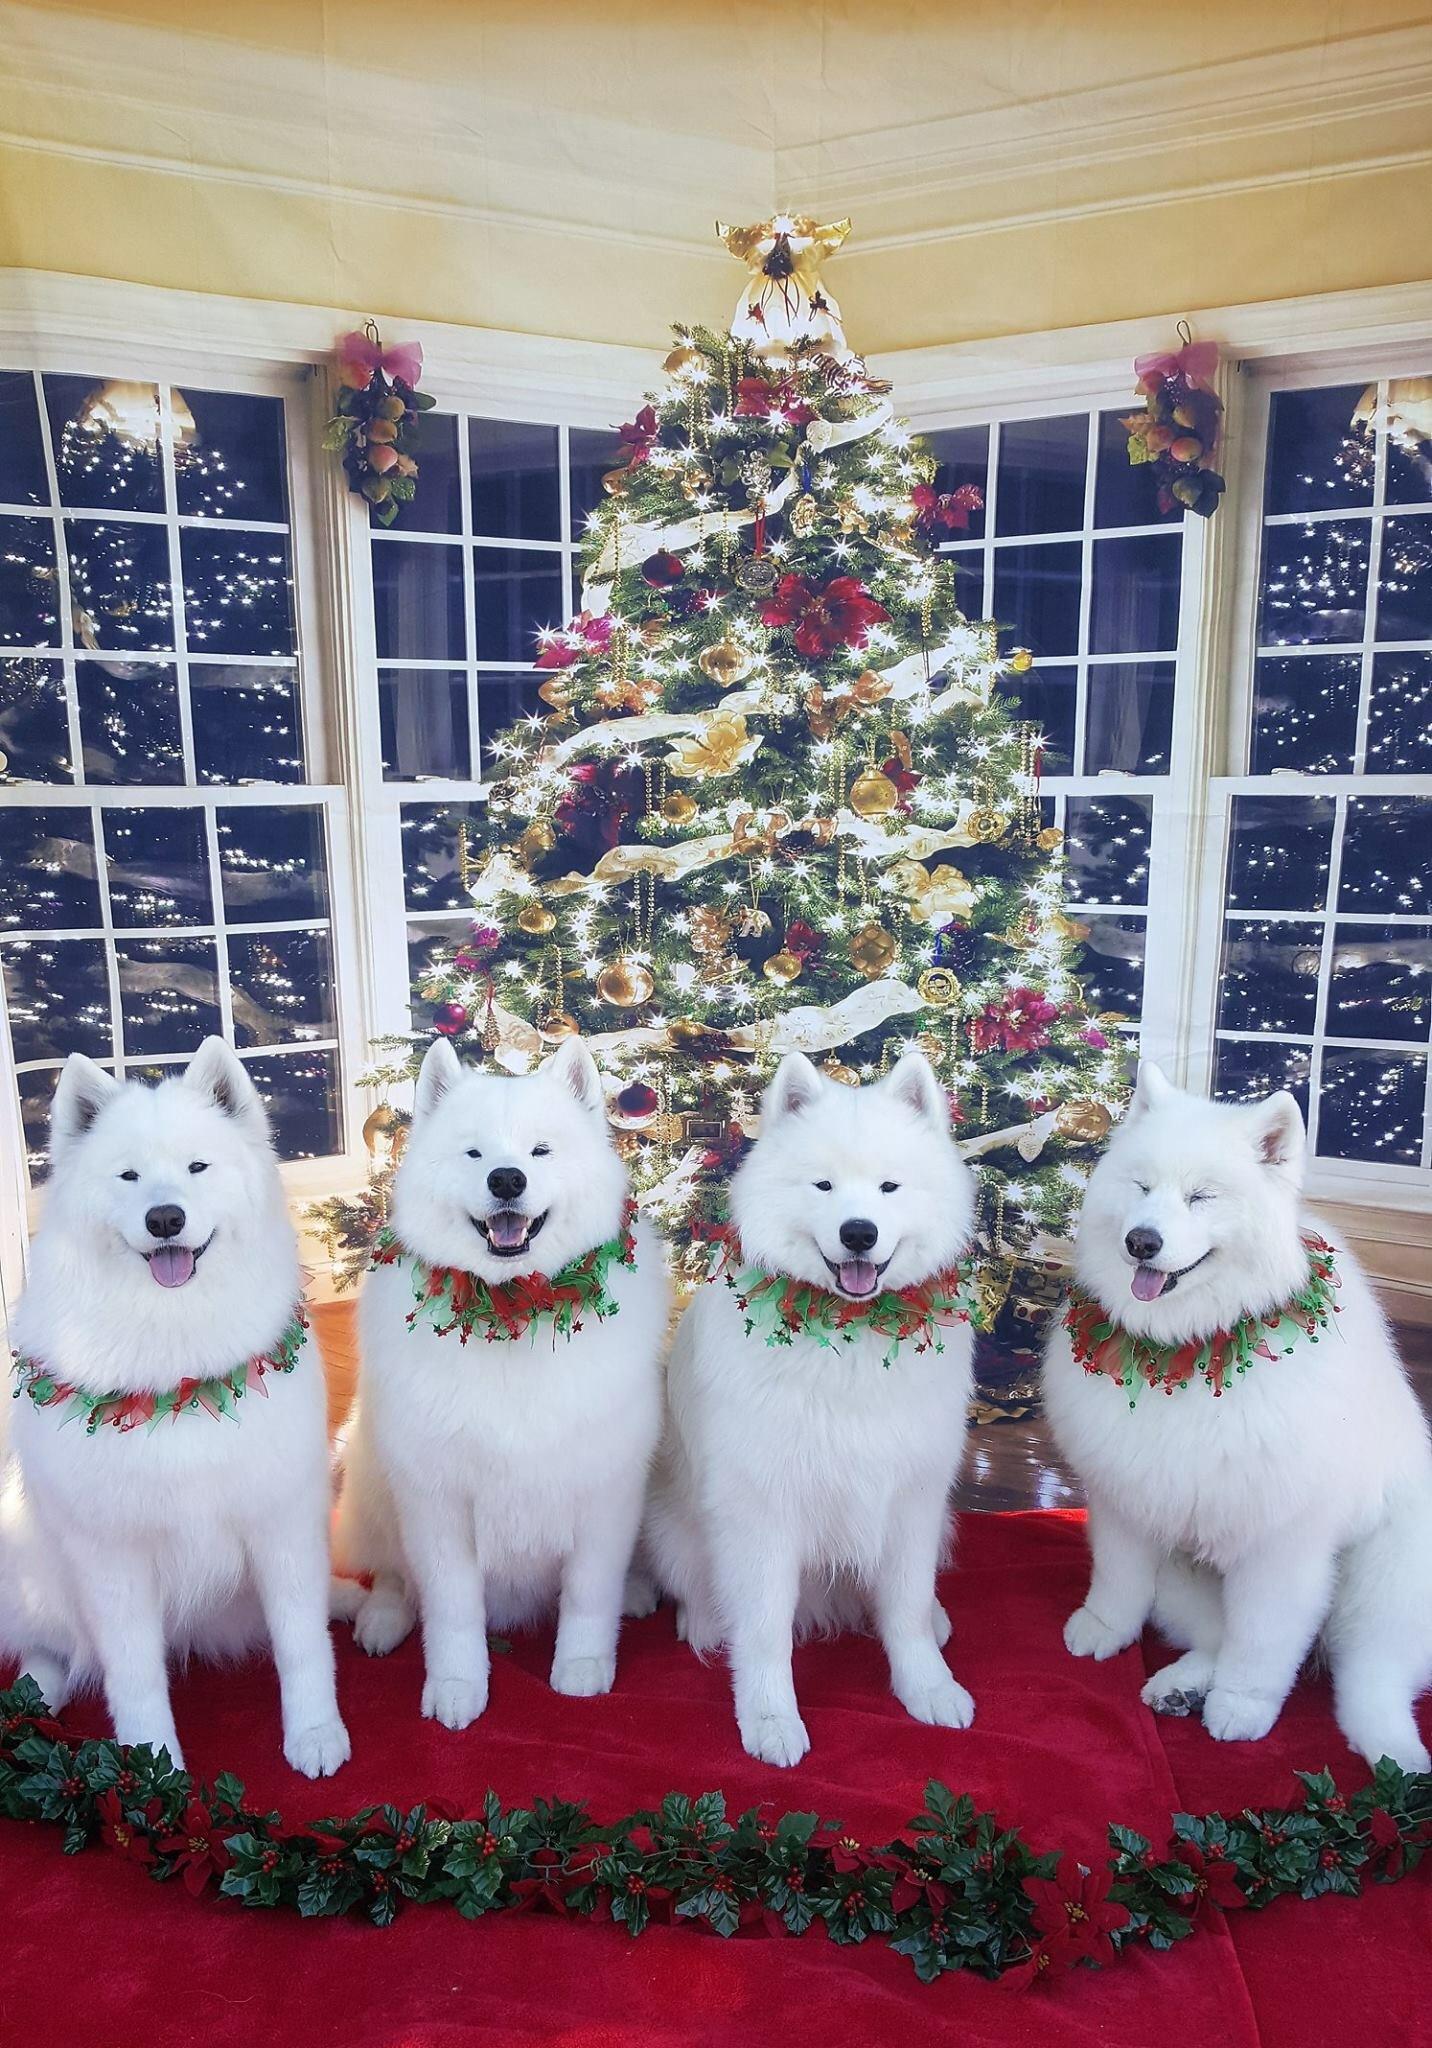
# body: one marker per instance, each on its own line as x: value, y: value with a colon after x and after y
x: 726, y: 662
x: 938, y: 986
x: 872, y: 951
x: 678, y: 808
x: 555, y: 1025
x: 537, y: 839
x: 782, y: 968
x: 873, y: 794
x: 1086, y: 1122
x: 757, y: 575
x: 986, y: 824
x: 626, y: 985
x: 535, y: 918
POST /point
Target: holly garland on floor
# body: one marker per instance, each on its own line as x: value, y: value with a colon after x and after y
x: 956, y: 1892
x: 777, y: 799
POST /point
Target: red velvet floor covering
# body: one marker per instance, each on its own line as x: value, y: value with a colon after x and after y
x: 94, y: 1952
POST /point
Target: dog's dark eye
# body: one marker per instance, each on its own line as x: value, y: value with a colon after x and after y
x: 473, y: 1153
x: 1201, y: 1195
x: 540, y: 1151
x: 889, y: 1187
x: 198, y: 1166
x: 824, y: 1186
x: 129, y: 1174
x: 1143, y: 1187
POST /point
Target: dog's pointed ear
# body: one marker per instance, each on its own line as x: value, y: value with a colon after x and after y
x: 796, y: 1086
x: 913, y: 1081
x: 81, y: 1093
x: 218, y: 1074
x: 1151, y: 1091
x: 573, y: 1066
x: 441, y: 1070
x: 1278, y: 1134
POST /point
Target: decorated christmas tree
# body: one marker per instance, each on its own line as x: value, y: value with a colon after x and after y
x: 777, y: 800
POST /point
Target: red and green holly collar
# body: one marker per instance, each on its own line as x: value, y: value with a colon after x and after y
x: 782, y: 1308
x: 1102, y: 1346
x: 219, y: 1396
x: 449, y: 1299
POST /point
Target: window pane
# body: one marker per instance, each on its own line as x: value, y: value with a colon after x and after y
x: 1125, y: 493
x: 29, y: 595
x: 591, y: 454
x: 422, y: 715
x: 1409, y: 447
x: 22, y: 455
x: 969, y: 583
x: 426, y: 942
x: 1129, y: 718
x: 1314, y: 582
x: 417, y: 601
x: 1040, y: 485
x: 1280, y: 852
x: 436, y: 504
x: 119, y: 586
x: 1049, y: 699
x: 1404, y: 589
x: 238, y: 592
x: 57, y: 998
x: 247, y: 723
x: 47, y: 870
x: 1387, y: 854
x: 1305, y: 712
x: 1399, y: 718
x: 168, y: 993
x: 129, y: 721
x: 1269, y: 977
x: 272, y: 864
x: 281, y: 987
x: 158, y: 867
x: 1111, y: 965
x: 963, y: 457
x: 1036, y: 597
x: 1316, y: 458
x: 34, y: 729
x: 1135, y: 608
x: 301, y: 1091
x: 106, y: 438
x: 1380, y: 982
x: 517, y: 594
x: 1373, y: 1105
x: 1246, y: 1072
x: 515, y: 492
x: 229, y: 460
x: 1106, y: 843
x: 501, y: 701
x: 432, y: 878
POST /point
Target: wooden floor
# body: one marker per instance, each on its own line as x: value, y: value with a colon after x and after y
x: 1010, y: 1464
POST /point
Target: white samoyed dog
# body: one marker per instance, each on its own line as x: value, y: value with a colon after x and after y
x: 148, y: 1515
x: 1298, y: 1501
x: 493, y: 1482
x: 802, y: 1484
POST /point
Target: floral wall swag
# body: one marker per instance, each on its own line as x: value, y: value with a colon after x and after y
x: 375, y: 428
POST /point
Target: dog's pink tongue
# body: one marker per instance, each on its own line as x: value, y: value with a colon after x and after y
x: 507, y: 1229
x: 858, y: 1276
x: 1148, y: 1283
x: 172, y: 1265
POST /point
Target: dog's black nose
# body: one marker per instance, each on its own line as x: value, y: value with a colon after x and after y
x: 1143, y: 1244
x: 165, y: 1220
x: 858, y: 1234
x: 506, y: 1182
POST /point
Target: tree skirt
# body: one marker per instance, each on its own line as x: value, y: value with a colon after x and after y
x: 1059, y: 1749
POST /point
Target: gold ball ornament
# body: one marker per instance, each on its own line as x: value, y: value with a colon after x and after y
x: 615, y: 482
x: 1049, y: 840
x: 678, y: 808
x: 726, y: 662
x: 626, y: 985
x: 1021, y: 660
x: 782, y: 968
x: 1086, y: 1122
x: 683, y: 361
x: 986, y: 824
x: 537, y: 839
x: 383, y: 1130
x: 938, y: 986
x: 535, y: 918
x: 651, y: 632
x: 873, y: 794
x: 872, y: 950
x: 870, y: 687
x: 555, y: 1025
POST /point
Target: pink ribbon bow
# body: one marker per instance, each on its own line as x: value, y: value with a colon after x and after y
x: 360, y: 358
x: 1197, y: 362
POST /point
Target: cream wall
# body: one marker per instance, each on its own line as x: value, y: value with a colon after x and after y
x: 554, y: 168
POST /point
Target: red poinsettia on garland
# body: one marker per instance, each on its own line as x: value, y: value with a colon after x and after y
x: 375, y: 427
x: 756, y: 399
x: 588, y: 633
x: 945, y: 511
x: 822, y: 617
x: 1018, y: 1022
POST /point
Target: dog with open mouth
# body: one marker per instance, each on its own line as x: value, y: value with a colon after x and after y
x: 168, y: 1482
x: 1257, y: 1466
x: 510, y: 1391
x: 818, y: 1396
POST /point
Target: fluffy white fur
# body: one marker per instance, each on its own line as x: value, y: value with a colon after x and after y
x: 494, y: 1482
x: 1302, y: 1499
x: 121, y: 1550
x: 802, y: 1486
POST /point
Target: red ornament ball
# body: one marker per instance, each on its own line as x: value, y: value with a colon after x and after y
x: 450, y: 1018
x: 663, y: 569
x: 636, y: 1099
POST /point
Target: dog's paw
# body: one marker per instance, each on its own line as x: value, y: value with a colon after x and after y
x: 641, y: 1597
x: 382, y: 1622
x: 1180, y: 1688
x: 940, y: 1702
x: 455, y: 1702
x: 319, y: 1751
x: 941, y: 1623
x: 1086, y: 1636
x: 1238, y: 1716
x: 581, y: 1678
x: 775, y: 1738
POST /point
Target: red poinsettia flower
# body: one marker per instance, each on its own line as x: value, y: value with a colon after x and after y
x: 905, y: 779
x: 756, y: 399
x: 640, y: 435
x: 118, y: 1832
x: 1073, y: 1919
x: 947, y: 511
x: 840, y: 613
x: 586, y: 634
x: 1214, y: 1877
x: 803, y: 940
x: 197, y: 1848
x: 1018, y: 1022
